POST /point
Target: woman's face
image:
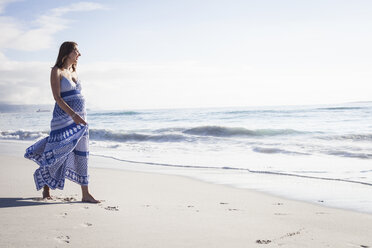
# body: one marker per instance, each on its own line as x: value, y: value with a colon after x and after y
x: 74, y: 55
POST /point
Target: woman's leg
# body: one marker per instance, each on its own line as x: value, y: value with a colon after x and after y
x: 87, y: 197
x: 46, y: 193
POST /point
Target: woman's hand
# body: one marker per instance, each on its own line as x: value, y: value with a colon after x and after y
x: 78, y: 120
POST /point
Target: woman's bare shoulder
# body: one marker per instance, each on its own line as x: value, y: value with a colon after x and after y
x: 56, y: 72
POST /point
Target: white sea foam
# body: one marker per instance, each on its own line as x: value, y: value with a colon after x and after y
x: 23, y: 135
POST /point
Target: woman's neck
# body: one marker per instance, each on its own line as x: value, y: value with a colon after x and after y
x: 67, y: 65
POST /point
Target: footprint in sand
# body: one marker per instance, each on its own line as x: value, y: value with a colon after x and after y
x: 68, y: 199
x: 63, y: 239
x: 63, y: 199
x: 63, y: 215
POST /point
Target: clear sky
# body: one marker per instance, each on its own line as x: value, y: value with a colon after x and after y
x: 205, y: 53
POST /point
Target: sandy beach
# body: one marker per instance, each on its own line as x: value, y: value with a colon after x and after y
x: 196, y: 124
x: 154, y: 210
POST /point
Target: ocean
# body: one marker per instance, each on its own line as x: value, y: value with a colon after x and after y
x: 320, y: 154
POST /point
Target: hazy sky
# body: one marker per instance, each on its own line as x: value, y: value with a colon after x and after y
x: 167, y: 54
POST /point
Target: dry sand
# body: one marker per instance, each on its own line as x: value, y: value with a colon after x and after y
x: 155, y: 210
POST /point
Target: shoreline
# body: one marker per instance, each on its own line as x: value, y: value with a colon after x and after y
x: 146, y: 209
x: 308, y: 186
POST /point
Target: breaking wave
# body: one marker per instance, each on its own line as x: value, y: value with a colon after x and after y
x: 219, y: 131
x: 109, y: 135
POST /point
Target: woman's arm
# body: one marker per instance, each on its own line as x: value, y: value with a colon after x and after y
x: 56, y: 89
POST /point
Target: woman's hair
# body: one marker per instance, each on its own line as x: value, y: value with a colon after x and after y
x: 66, y: 48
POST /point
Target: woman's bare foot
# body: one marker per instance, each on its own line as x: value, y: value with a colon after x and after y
x: 87, y: 197
x: 46, y: 193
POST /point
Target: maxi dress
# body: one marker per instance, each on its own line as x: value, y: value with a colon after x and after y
x: 64, y: 153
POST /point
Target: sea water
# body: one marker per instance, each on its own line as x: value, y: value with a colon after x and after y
x: 320, y: 154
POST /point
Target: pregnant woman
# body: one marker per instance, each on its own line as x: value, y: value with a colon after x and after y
x: 64, y: 153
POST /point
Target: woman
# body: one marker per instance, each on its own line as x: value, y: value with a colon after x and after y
x: 64, y: 153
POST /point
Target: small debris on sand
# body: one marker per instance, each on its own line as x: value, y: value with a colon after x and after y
x: 110, y: 208
x: 263, y: 241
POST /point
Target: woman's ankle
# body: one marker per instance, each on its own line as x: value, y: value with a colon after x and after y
x: 46, y: 192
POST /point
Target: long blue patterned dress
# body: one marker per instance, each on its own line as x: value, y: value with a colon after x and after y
x: 64, y: 153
